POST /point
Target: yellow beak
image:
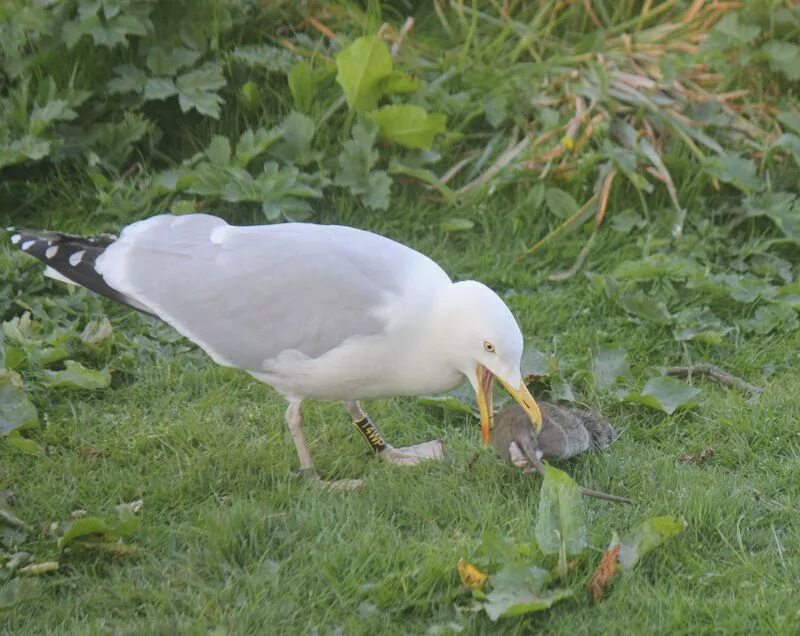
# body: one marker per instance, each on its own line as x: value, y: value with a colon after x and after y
x: 526, y: 401
x: 484, y: 398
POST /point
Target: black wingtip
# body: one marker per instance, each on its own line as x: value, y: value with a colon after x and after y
x: 74, y: 257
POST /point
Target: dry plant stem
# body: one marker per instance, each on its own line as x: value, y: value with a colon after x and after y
x: 328, y: 33
x: 716, y: 374
x: 587, y: 4
x: 505, y: 158
x: 586, y: 492
x: 577, y: 214
x: 456, y: 168
x: 582, y: 256
x: 605, y: 191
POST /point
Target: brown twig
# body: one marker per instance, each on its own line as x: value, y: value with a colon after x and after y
x: 586, y: 492
x: 716, y: 374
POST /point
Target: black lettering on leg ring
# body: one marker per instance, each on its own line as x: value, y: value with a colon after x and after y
x: 371, y: 434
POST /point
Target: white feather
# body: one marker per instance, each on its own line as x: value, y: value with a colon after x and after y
x: 56, y: 275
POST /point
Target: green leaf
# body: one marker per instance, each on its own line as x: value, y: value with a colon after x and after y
x: 399, y: 82
x: 520, y: 576
x: 790, y: 119
x: 625, y: 221
x: 83, y: 527
x: 45, y: 356
x: 782, y: 208
x: 646, y: 537
x: 88, y: 526
x: 279, y: 190
x: 561, y: 520
x: 249, y: 95
x: 664, y: 393
x: 23, y: 444
x: 560, y: 203
x: 42, y: 116
x: 76, y: 376
x: 535, y: 363
x: 495, y: 109
x: 646, y: 307
x: 627, y: 161
x: 96, y: 529
x: 173, y: 180
x: 219, y: 150
x: 516, y: 602
x: 18, y: 590
x: 379, y: 186
x: 8, y: 518
x: 159, y: 88
x: 21, y: 329
x: 699, y: 323
x: 96, y: 331
x: 362, y: 69
x: 297, y: 131
x: 562, y: 391
x: 498, y: 549
x: 417, y: 171
x: 408, y: 125
x: 781, y: 318
x: 17, y: 412
x: 254, y: 143
x: 745, y: 289
x: 109, y: 31
x: 738, y: 171
x: 164, y: 61
x: 608, y: 366
x: 735, y: 30
x: 270, y: 58
x: 455, y: 224
x: 790, y: 142
x: 113, y: 141
x: 301, y: 85
x: 783, y: 57
x: 355, y: 167
x: 789, y: 295
x: 197, y: 90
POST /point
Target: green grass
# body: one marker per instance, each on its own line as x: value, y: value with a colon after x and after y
x: 232, y: 539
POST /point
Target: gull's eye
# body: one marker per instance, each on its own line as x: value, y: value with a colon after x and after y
x: 488, y: 346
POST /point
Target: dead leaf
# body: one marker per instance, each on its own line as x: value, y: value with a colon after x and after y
x: 698, y: 459
x: 94, y: 453
x: 116, y: 549
x: 471, y: 576
x: 604, y: 573
x: 35, y: 569
x: 10, y: 519
x: 130, y: 507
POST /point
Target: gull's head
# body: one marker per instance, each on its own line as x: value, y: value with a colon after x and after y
x: 485, y: 342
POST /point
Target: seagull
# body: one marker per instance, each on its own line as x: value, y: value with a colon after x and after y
x: 323, y: 312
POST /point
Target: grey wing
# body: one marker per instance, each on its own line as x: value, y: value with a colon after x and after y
x: 247, y: 294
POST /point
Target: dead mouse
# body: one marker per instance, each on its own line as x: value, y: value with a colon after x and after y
x: 566, y: 432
